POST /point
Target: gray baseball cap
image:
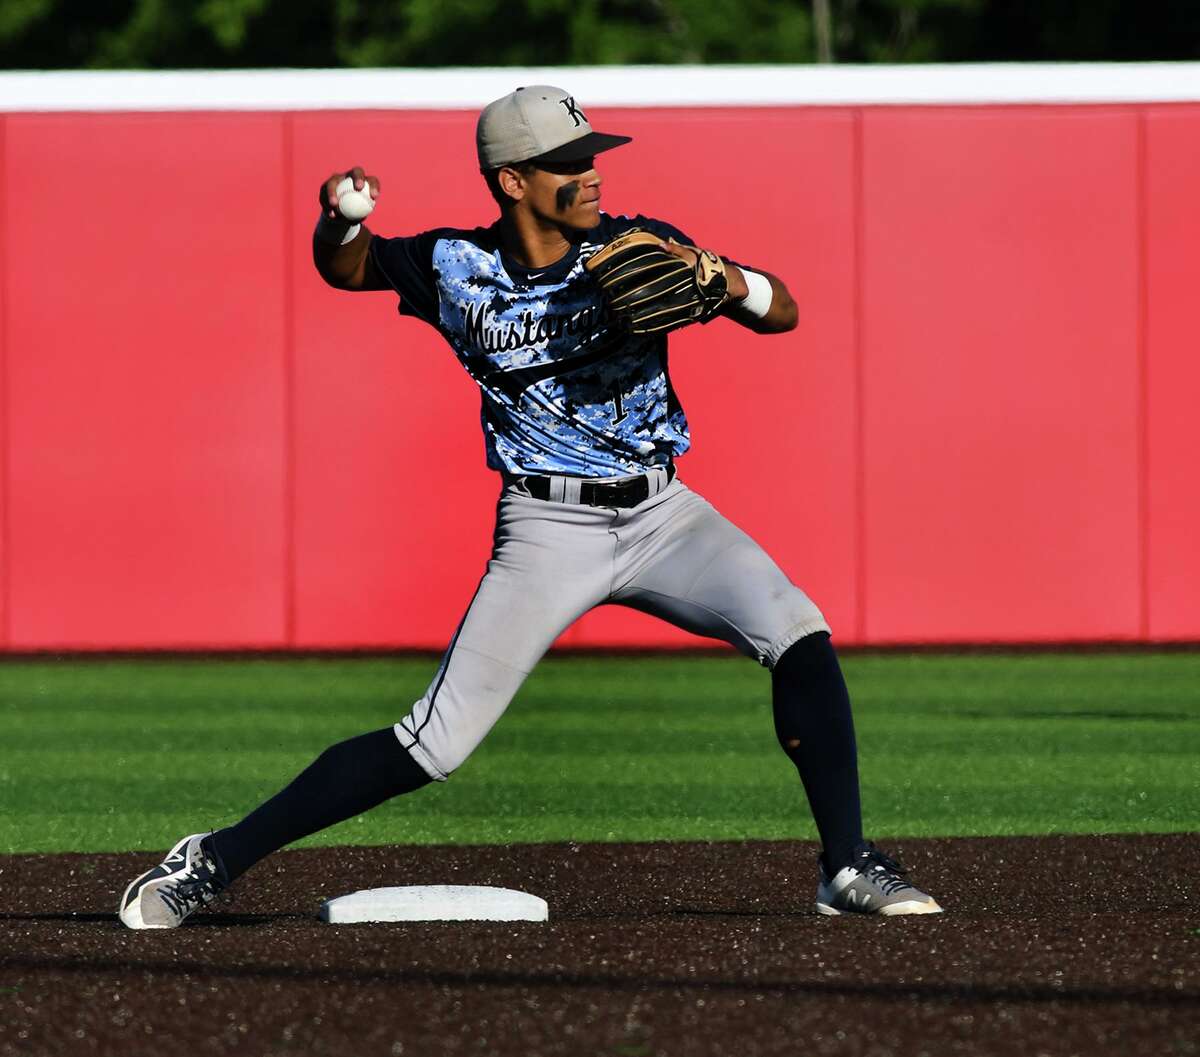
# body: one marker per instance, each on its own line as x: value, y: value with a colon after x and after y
x: 537, y: 123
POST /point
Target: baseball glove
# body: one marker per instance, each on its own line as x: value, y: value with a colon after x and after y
x: 649, y: 289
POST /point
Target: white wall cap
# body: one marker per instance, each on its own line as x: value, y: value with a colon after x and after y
x: 634, y: 86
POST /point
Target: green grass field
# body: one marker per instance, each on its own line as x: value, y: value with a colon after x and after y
x: 103, y: 755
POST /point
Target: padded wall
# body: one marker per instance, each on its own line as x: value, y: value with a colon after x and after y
x: 1172, y: 356
x: 1001, y: 374
x: 145, y: 364
x: 981, y: 429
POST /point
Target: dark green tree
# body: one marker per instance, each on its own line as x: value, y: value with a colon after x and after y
x: 182, y: 34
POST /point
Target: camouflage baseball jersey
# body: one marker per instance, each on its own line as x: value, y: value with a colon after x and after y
x: 564, y: 391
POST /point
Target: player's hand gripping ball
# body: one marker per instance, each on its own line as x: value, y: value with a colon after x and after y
x: 354, y: 205
x: 650, y: 289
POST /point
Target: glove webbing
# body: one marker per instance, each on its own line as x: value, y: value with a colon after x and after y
x: 638, y: 275
x: 652, y: 281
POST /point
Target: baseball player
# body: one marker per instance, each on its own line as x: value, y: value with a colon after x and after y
x: 561, y: 317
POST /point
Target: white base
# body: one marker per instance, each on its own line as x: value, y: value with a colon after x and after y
x: 435, y: 903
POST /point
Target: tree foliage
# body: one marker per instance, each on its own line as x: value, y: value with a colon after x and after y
x: 181, y: 34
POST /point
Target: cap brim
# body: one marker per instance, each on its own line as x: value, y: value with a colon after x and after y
x: 585, y: 147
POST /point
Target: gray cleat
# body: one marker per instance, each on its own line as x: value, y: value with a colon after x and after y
x: 872, y: 884
x: 186, y: 880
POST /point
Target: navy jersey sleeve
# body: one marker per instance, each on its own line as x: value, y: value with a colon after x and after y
x: 407, y: 265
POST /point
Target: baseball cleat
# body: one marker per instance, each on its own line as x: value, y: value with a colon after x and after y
x: 872, y: 884
x: 186, y: 880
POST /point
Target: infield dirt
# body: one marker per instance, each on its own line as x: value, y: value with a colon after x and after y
x: 1058, y: 945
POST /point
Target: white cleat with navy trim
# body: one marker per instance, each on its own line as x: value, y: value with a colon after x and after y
x: 872, y: 884
x: 186, y: 880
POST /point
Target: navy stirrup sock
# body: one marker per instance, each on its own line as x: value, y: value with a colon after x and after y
x: 815, y: 729
x: 345, y: 780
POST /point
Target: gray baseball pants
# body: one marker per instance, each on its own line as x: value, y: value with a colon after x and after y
x: 672, y: 556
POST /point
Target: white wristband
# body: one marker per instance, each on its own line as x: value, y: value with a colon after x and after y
x: 759, y: 294
x: 337, y: 232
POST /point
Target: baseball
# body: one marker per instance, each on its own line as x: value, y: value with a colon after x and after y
x: 354, y: 205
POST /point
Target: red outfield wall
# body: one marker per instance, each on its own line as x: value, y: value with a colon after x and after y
x: 983, y: 429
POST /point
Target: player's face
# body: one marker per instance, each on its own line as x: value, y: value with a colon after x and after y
x: 565, y: 192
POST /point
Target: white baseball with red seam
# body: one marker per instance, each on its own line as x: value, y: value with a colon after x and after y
x: 354, y: 205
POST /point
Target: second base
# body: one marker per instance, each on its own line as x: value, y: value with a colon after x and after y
x: 435, y: 903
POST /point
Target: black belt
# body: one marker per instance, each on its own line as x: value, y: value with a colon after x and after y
x: 595, y: 493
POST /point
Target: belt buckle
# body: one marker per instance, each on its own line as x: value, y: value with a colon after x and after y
x: 594, y: 493
x: 629, y: 493
x: 597, y: 493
